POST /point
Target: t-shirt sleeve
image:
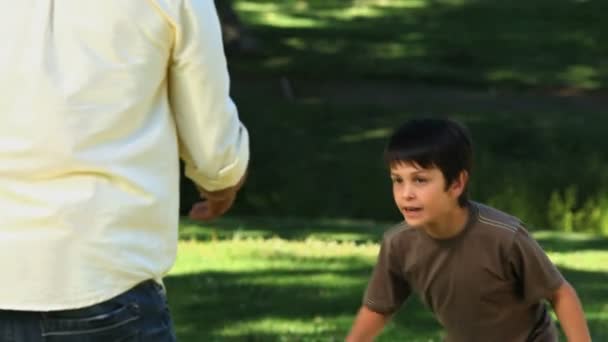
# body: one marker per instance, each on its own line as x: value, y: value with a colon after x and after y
x: 537, y: 277
x: 387, y: 289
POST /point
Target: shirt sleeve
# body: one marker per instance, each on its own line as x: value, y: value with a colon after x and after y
x: 214, y: 144
x: 537, y: 277
x: 387, y: 289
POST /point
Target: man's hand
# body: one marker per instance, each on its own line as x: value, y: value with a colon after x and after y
x: 215, y: 203
x: 209, y: 209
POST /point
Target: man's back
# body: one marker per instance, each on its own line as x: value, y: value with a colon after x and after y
x: 89, y: 157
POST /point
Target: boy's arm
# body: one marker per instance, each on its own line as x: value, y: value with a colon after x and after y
x: 570, y: 313
x: 540, y: 279
x: 367, y: 325
x: 386, y: 291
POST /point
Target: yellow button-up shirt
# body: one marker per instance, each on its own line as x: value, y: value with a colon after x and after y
x: 95, y: 96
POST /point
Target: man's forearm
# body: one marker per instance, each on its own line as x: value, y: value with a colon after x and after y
x: 223, y: 193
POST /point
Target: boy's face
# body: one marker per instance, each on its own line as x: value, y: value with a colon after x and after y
x: 421, y: 195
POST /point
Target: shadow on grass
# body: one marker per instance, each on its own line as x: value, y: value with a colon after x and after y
x: 560, y: 242
x: 532, y: 43
x: 258, y: 306
x: 316, y: 298
x: 269, y: 306
x: 316, y: 160
x: 357, y: 231
x: 312, y: 159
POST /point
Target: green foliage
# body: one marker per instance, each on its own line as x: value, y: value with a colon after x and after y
x: 561, y: 209
x: 565, y: 211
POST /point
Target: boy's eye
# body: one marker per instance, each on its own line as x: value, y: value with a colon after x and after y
x: 420, y: 180
x: 396, y: 180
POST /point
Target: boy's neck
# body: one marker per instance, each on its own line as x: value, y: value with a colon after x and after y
x: 452, y: 224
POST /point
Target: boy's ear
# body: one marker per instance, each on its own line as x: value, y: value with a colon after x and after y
x: 459, y: 184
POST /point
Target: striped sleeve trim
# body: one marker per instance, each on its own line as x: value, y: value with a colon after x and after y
x: 497, y: 224
x: 378, y: 308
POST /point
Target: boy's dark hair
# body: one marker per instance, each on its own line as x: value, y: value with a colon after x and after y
x: 440, y: 143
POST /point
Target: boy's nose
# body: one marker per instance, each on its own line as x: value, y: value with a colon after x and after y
x: 407, y: 192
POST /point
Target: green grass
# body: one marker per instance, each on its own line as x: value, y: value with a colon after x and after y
x: 534, y: 43
x: 296, y: 280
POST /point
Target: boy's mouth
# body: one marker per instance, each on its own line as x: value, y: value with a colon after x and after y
x: 412, y: 209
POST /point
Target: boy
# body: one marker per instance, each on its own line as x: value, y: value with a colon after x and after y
x: 476, y: 268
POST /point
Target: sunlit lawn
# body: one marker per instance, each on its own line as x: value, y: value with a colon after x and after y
x: 305, y: 284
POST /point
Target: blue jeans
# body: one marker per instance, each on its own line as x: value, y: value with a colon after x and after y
x: 138, y: 315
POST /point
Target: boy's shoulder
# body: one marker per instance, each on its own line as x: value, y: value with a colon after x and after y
x: 398, y: 229
x: 399, y: 234
x: 492, y: 216
x: 497, y: 221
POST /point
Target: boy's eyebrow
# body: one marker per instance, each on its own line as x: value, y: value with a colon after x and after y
x: 415, y: 173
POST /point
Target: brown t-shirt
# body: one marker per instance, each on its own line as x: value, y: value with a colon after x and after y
x: 486, y: 284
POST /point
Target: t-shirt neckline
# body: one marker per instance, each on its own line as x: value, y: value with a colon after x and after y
x: 473, y: 215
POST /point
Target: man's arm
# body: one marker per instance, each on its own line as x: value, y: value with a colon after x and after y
x: 214, y: 144
x: 570, y: 313
x: 367, y: 325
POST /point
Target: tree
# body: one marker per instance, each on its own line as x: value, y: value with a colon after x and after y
x: 237, y: 38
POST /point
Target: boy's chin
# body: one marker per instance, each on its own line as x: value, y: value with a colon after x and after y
x: 412, y: 223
